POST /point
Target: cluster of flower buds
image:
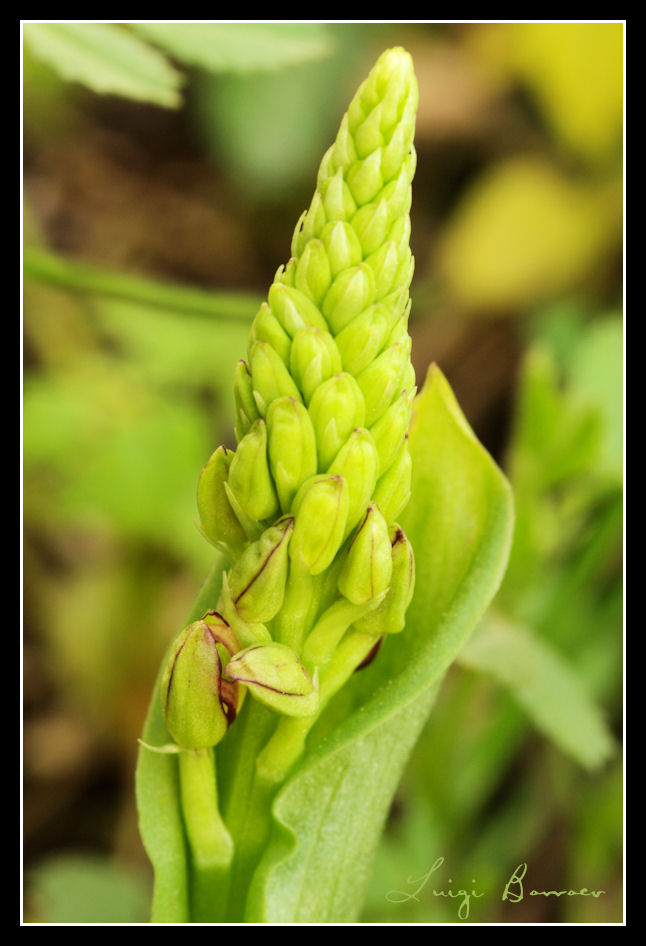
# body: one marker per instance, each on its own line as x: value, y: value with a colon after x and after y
x: 305, y: 507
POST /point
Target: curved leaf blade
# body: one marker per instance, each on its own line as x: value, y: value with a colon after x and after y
x: 544, y: 685
x: 239, y: 47
x: 328, y: 816
x: 107, y: 59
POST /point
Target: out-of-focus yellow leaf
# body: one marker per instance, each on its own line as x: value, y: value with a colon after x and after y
x: 574, y: 73
x: 524, y: 232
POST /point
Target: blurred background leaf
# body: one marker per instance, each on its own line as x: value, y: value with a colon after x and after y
x: 151, y: 234
x: 239, y: 47
x: 88, y: 890
x: 525, y: 232
x: 106, y: 59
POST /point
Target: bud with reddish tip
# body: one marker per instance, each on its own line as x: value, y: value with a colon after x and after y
x: 197, y: 708
x: 390, y: 616
x: 257, y: 580
x: 367, y: 568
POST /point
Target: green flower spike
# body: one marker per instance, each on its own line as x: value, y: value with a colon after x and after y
x: 323, y: 405
x: 318, y: 571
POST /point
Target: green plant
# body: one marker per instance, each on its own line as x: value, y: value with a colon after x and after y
x: 313, y: 571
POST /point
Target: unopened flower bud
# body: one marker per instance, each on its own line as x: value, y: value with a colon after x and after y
x: 314, y: 358
x: 390, y: 616
x: 338, y: 201
x: 351, y: 292
x: 367, y: 568
x: 344, y: 150
x: 292, y: 447
x: 321, y: 512
x: 381, y: 381
x: 384, y: 264
x: 196, y: 714
x: 271, y: 377
x: 327, y: 167
x: 395, y: 304
x: 267, y: 328
x: 397, y: 193
x: 276, y: 678
x: 310, y: 226
x: 358, y: 463
x: 361, y: 340
x: 250, y: 481
x: 313, y: 274
x: 371, y: 225
x: 336, y: 408
x: 293, y: 309
x: 342, y: 246
x: 218, y: 520
x: 399, y: 332
x: 389, y: 431
x: 245, y: 403
x: 364, y: 178
x: 394, y: 153
x: 393, y: 488
x: 368, y: 137
x: 400, y: 230
x: 257, y: 580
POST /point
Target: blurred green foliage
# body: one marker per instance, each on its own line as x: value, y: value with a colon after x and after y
x: 127, y: 389
x: 480, y: 791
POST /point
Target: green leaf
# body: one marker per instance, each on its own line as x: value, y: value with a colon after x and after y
x: 547, y: 688
x: 261, y: 125
x: 328, y: 816
x: 157, y: 786
x: 49, y: 268
x: 107, y: 59
x: 596, y: 378
x: 239, y: 47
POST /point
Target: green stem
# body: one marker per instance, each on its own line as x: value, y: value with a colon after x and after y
x: 324, y: 637
x: 246, y: 819
x: 291, y: 624
x: 209, y: 841
x: 287, y: 744
x: 83, y: 277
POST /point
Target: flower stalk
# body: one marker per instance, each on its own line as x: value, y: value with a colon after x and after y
x: 305, y: 506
